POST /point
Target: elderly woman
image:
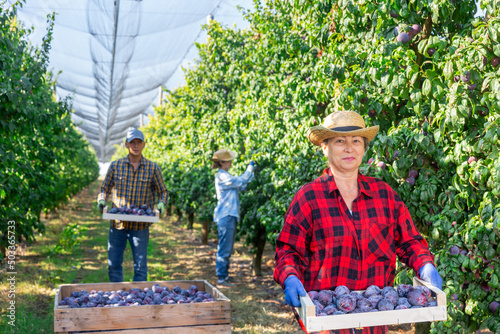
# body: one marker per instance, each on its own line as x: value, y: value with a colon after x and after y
x: 345, y: 228
x: 227, y: 211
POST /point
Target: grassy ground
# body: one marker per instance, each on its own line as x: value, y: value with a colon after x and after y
x: 73, y: 250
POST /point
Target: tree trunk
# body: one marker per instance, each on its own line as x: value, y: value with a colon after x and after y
x: 190, y: 220
x: 179, y: 214
x: 3, y: 243
x: 258, y: 244
x: 205, y: 228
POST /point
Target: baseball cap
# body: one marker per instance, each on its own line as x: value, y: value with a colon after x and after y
x: 134, y: 134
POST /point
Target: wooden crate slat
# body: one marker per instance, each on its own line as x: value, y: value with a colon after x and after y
x: 221, y: 329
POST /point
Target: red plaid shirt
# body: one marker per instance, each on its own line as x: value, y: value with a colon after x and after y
x: 325, y: 246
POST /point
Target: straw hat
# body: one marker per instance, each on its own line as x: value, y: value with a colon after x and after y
x: 341, y: 123
x: 223, y: 155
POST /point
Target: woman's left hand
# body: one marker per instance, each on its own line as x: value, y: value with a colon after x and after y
x: 430, y: 274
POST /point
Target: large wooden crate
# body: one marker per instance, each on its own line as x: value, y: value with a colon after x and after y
x: 195, y: 318
x: 313, y: 323
x: 131, y: 218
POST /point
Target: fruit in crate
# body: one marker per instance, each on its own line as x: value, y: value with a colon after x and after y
x: 340, y: 300
x: 142, y: 210
x: 157, y: 295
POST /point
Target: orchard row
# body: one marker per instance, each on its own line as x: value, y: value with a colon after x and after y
x: 257, y: 91
x: 45, y: 160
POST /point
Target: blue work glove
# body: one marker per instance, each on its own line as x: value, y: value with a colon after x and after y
x: 430, y: 274
x: 161, y: 207
x: 101, y: 205
x: 293, y: 288
x: 252, y: 163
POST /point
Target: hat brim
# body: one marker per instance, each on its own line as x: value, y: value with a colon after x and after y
x: 231, y: 154
x: 130, y: 139
x: 318, y: 134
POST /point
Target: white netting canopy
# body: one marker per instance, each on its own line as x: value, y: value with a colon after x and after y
x: 114, y: 56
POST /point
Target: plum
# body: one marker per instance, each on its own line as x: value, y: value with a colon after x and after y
x: 329, y: 309
x: 465, y: 77
x: 325, y: 297
x: 413, y: 173
x: 319, y: 306
x: 364, y: 305
x: 177, y: 289
x: 393, y: 14
x: 410, y: 180
x: 313, y: 294
x: 416, y: 28
x: 425, y: 290
x: 375, y: 299
x: 495, y: 61
x: 341, y: 290
x: 431, y: 52
x: 431, y: 303
x: 75, y: 294
x: 402, y: 307
x: 346, y: 303
x: 403, y: 289
x: 417, y: 298
x: 404, y: 301
x: 386, y: 289
x: 338, y: 312
x: 393, y: 296
x: 471, y: 159
x: 371, y: 290
x: 494, y: 306
x: 403, y: 38
x: 356, y: 295
x: 381, y: 164
x: 385, y: 305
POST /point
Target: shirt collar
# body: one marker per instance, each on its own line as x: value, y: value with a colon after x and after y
x: 141, y: 162
x: 364, y: 185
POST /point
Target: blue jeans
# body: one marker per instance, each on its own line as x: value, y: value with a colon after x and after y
x: 226, y: 228
x: 117, y: 241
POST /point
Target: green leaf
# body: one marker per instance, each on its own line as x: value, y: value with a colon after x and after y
x: 448, y: 70
x: 426, y: 87
x: 486, y: 213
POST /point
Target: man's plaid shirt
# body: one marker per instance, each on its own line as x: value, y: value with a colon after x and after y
x: 325, y: 246
x: 133, y: 187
